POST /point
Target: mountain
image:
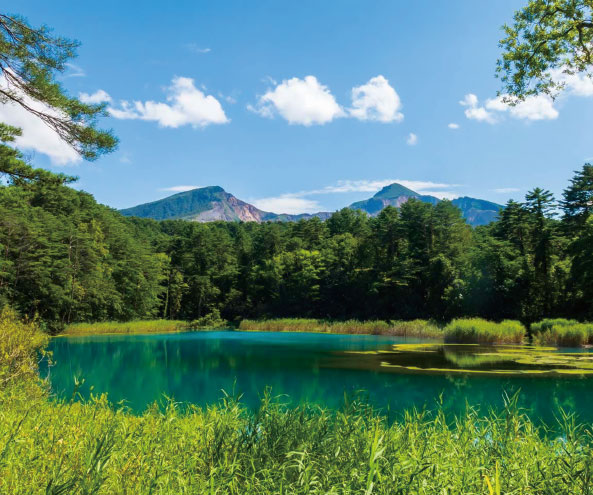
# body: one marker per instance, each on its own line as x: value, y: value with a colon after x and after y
x: 208, y: 204
x: 475, y: 211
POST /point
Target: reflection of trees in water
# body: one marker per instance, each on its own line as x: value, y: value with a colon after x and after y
x: 195, y: 368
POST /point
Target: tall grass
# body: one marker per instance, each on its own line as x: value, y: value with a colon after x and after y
x: 562, y: 332
x: 476, y: 330
x: 73, y: 447
x: 414, y: 328
x: 137, y: 326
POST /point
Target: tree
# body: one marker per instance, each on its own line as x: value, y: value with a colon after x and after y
x: 548, y: 37
x: 30, y: 59
x: 578, y: 198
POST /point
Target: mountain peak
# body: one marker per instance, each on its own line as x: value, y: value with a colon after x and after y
x: 393, y: 191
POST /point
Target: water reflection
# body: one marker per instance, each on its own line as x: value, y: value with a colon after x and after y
x: 196, y: 367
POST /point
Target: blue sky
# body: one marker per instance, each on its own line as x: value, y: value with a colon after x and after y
x: 306, y: 106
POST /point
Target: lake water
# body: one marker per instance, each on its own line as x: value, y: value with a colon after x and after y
x: 319, y: 368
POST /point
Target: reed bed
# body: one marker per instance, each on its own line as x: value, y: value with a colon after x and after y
x: 137, y: 326
x: 414, y: 328
x: 476, y: 330
x: 562, y: 332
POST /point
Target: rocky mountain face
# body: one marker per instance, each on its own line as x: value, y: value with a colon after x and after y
x: 209, y: 204
x: 475, y: 211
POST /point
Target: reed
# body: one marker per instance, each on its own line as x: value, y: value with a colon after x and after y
x: 93, y: 447
x: 476, y: 330
x: 137, y: 326
x: 563, y: 333
x: 414, y: 328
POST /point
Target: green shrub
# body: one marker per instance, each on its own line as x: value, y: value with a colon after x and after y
x: 20, y: 344
x: 211, y: 320
x: 476, y: 330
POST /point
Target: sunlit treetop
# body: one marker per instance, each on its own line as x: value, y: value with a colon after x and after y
x: 547, y: 37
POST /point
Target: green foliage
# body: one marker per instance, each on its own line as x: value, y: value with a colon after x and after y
x: 136, y: 326
x: 20, y: 344
x: 476, y: 330
x: 68, y: 259
x: 547, y: 37
x: 30, y: 60
x: 211, y: 320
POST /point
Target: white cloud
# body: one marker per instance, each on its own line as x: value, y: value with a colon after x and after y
x: 179, y: 188
x: 539, y: 107
x: 575, y: 84
x: 506, y: 190
x: 440, y: 194
x: 308, y: 102
x: 36, y: 136
x: 346, y: 186
x: 299, y: 202
x: 187, y: 105
x: 125, y: 158
x: 287, y: 203
x: 474, y: 112
x: 376, y: 100
x: 412, y: 139
x: 99, y: 96
x: 453, y: 125
x: 299, y: 101
x: 74, y: 71
x: 193, y: 47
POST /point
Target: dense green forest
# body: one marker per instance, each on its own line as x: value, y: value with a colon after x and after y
x: 67, y: 258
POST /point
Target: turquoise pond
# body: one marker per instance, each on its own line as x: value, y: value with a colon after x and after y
x: 318, y: 368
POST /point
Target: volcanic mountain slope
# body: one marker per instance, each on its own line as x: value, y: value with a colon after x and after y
x: 209, y: 204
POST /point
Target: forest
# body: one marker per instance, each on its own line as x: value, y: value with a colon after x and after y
x: 65, y: 258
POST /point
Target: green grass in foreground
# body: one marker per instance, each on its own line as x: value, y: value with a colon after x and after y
x: 414, y: 328
x: 137, y: 326
x: 48, y: 446
x: 476, y: 330
x: 56, y: 447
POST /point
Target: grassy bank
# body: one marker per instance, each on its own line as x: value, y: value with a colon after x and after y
x: 55, y: 447
x: 476, y: 330
x: 137, y: 326
x: 414, y: 328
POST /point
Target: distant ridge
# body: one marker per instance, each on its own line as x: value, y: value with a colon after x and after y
x: 213, y: 203
x: 475, y: 211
